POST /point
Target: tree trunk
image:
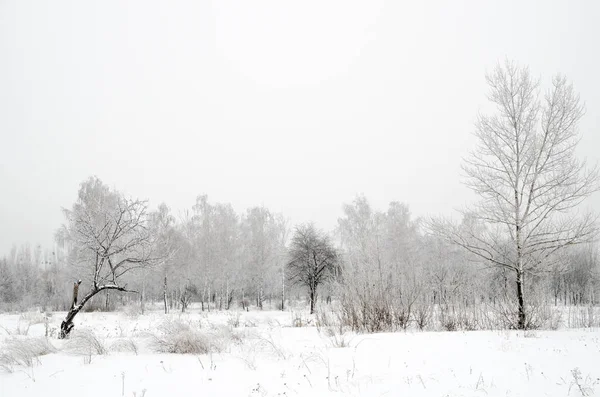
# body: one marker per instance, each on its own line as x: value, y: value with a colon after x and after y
x: 227, y: 300
x: 67, y: 325
x: 521, y: 300
x: 208, y: 295
x: 313, y: 296
x: 143, y: 296
x: 75, y: 293
x: 221, y: 298
x: 283, y: 289
x: 165, y: 294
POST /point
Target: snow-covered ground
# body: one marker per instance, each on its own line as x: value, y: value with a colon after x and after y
x: 263, y: 354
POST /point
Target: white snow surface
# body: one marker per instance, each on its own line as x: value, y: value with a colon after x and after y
x: 273, y: 358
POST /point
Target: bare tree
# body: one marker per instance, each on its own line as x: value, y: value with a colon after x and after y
x: 382, y: 274
x: 313, y: 260
x: 529, y: 181
x: 260, y: 237
x: 110, y: 238
x: 8, y: 291
x: 281, y: 255
x: 166, y: 239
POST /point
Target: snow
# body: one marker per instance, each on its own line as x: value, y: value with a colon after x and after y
x: 276, y: 359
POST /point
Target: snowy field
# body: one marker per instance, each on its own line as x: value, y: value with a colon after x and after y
x: 269, y: 354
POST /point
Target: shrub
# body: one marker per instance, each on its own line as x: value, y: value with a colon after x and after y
x: 422, y: 315
x: 24, y: 352
x: 179, y: 338
x: 85, y: 342
x: 124, y: 345
x: 298, y: 320
x: 233, y: 319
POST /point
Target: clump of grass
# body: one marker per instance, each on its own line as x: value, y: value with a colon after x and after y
x: 333, y: 329
x: 584, y: 385
x: 179, y: 338
x: 23, y: 352
x: 124, y: 345
x: 21, y: 330
x: 298, y: 320
x: 85, y: 342
x: 268, y: 344
x: 233, y: 319
x: 338, y: 339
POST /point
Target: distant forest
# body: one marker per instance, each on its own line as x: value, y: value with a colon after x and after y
x: 521, y: 250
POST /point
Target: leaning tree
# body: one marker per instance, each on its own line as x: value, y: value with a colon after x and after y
x: 108, y: 237
x: 312, y: 260
x: 525, y: 171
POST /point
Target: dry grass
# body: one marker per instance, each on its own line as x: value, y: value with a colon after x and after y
x: 337, y: 339
x: 32, y: 318
x: 585, y: 386
x: 300, y: 320
x: 583, y: 317
x: 21, y: 329
x: 124, y: 345
x: 180, y: 338
x: 23, y: 352
x: 85, y: 342
x: 233, y: 319
x: 132, y: 311
x: 331, y: 326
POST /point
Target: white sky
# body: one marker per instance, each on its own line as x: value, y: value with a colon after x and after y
x: 297, y: 105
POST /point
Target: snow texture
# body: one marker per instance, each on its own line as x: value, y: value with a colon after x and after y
x: 262, y: 354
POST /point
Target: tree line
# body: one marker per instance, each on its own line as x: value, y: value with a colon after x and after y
x: 520, y: 246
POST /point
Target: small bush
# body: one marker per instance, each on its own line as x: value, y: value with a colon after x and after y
x: 402, y: 315
x: 124, y: 345
x: 337, y: 339
x: 449, y: 324
x: 268, y: 345
x: 448, y: 319
x: 298, y: 320
x: 179, y: 338
x: 422, y: 315
x: 325, y: 320
x: 585, y: 385
x: 233, y: 319
x: 222, y: 336
x: 547, y: 317
x: 85, y: 342
x: 23, y: 352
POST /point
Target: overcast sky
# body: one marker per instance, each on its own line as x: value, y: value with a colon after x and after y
x: 295, y: 105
